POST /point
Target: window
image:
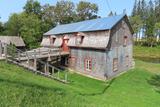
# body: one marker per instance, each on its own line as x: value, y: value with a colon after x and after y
x: 53, y: 40
x: 125, y: 41
x: 82, y: 37
x: 79, y: 39
x: 116, y: 36
x: 115, y: 64
x: 72, y: 61
x: 127, y: 61
x: 88, y: 64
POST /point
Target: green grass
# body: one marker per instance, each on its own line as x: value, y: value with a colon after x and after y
x: 146, y: 52
x: 19, y: 88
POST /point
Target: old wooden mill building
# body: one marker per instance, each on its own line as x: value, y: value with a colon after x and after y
x: 100, y: 48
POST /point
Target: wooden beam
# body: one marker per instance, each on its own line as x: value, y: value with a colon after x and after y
x: 35, y: 60
x: 5, y: 51
x: 0, y: 49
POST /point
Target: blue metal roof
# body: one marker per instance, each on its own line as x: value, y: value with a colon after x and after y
x: 88, y: 25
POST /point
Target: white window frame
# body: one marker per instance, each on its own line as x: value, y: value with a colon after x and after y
x: 88, y: 64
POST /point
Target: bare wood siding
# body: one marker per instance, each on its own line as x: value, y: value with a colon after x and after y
x: 117, y: 47
x: 97, y: 39
x: 98, y: 58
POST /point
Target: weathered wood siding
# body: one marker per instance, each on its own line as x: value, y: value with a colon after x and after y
x: 101, y: 47
x: 98, y: 58
x: 118, y: 50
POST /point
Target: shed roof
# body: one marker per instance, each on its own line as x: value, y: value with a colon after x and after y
x: 88, y: 25
x: 17, y: 41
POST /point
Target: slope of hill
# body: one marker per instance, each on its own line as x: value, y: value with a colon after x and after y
x: 19, y: 88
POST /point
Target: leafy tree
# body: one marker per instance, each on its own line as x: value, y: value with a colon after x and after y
x: 157, y: 29
x: 31, y: 30
x: 134, y: 11
x: 48, y: 19
x: 13, y: 25
x: 136, y: 23
x: 157, y: 10
x: 86, y: 10
x: 64, y: 12
x: 139, y: 12
x: 33, y: 7
x: 1, y: 28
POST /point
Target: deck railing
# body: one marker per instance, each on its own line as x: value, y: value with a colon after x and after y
x: 14, y: 55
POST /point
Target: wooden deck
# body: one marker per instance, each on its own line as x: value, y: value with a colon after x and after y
x: 41, y: 56
x: 41, y: 53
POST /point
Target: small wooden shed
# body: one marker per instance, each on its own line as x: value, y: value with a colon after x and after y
x: 17, y: 41
x: 101, y: 48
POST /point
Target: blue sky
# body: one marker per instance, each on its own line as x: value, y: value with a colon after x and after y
x: 7, y: 7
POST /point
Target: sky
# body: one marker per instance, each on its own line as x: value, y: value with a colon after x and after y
x: 7, y: 7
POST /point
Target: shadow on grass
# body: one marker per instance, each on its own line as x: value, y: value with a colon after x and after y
x: 155, y: 81
x: 102, y: 92
x: 31, y: 85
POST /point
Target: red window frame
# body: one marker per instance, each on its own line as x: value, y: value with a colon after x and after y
x: 72, y: 61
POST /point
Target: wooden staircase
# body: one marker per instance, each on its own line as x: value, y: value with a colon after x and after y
x: 31, y: 59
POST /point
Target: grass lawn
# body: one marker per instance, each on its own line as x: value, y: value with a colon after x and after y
x: 24, y: 89
x: 147, y: 52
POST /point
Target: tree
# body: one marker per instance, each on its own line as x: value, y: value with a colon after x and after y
x: 31, y: 30
x: 157, y: 10
x: 134, y: 11
x: 13, y: 25
x: 64, y: 12
x: 86, y: 10
x: 157, y: 30
x: 33, y: 7
x: 139, y: 12
x: 1, y: 28
x: 48, y: 17
x: 136, y: 23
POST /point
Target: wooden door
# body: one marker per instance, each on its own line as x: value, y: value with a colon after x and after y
x: 64, y: 45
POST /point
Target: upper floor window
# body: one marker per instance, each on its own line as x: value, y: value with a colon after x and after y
x: 53, y: 40
x: 115, y: 64
x: 79, y: 39
x: 125, y: 41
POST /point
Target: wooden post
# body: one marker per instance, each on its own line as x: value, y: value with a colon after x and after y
x: 35, y: 60
x: 53, y: 71
x: 58, y: 75
x: 5, y: 50
x: 0, y: 49
x: 49, y: 56
x: 19, y: 56
x: 27, y: 59
x: 45, y: 68
x: 66, y: 77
